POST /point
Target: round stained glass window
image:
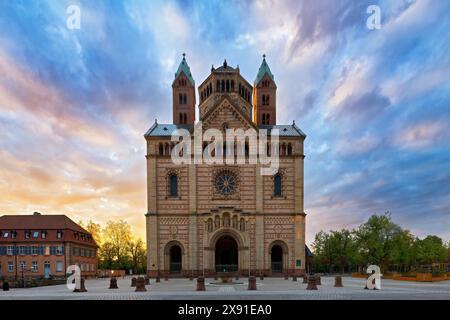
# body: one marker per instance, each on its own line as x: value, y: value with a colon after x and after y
x: 225, y: 183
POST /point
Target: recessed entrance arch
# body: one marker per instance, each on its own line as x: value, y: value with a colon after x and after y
x: 276, y: 257
x: 175, y: 259
x: 278, y: 252
x: 226, y: 254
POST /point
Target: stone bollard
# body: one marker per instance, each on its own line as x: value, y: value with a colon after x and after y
x: 318, y: 281
x: 200, y: 284
x: 82, y: 287
x: 113, y: 283
x: 140, y: 285
x: 338, y: 282
x: 251, y: 283
x: 133, y: 282
x: 312, y: 285
x: 147, y: 280
x: 305, y: 279
x: 294, y: 278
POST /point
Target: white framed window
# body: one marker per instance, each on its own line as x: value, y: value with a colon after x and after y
x: 22, y: 250
x: 22, y: 265
x: 34, y: 266
x: 44, y: 234
x: 10, y: 266
x: 59, y: 234
x: 34, y: 250
x: 59, y: 250
x: 59, y: 266
x: 47, y: 265
x: 6, y: 235
x: 36, y: 234
x: 10, y: 250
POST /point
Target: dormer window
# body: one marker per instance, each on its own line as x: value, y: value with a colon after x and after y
x: 43, y: 234
x: 36, y: 234
x: 13, y: 234
x: 6, y: 235
x: 59, y: 234
x: 27, y: 234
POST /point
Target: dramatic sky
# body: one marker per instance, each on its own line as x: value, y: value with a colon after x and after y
x: 375, y: 104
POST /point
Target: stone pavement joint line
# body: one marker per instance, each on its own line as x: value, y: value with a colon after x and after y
x: 270, y: 289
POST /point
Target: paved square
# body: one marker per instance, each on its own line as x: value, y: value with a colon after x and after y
x: 268, y: 289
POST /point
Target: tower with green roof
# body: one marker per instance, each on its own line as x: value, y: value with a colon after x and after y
x: 183, y: 95
x: 264, y: 96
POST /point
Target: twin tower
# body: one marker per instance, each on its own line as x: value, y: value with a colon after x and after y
x: 258, y: 102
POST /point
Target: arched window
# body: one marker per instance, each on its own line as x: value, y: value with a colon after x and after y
x: 181, y: 118
x: 277, y: 185
x: 185, y: 118
x: 267, y: 100
x: 180, y: 98
x: 268, y: 118
x: 232, y: 85
x: 217, y: 86
x: 184, y: 99
x: 228, y: 85
x: 217, y: 222
x: 167, y: 149
x: 289, y: 149
x: 210, y: 88
x: 210, y: 225
x: 161, y: 149
x: 223, y: 85
x: 263, y: 118
x: 201, y: 96
x: 173, y: 189
x: 283, y: 149
x: 242, y: 225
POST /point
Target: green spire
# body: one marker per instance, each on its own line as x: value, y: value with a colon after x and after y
x: 183, y: 67
x: 263, y: 70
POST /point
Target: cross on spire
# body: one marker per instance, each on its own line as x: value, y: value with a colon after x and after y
x: 264, y: 56
x: 184, y: 55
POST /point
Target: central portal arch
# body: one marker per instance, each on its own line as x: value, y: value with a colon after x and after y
x: 226, y: 254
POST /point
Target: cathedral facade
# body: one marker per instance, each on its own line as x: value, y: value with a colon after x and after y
x: 204, y: 219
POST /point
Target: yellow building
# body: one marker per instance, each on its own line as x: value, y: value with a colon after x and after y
x: 209, y: 218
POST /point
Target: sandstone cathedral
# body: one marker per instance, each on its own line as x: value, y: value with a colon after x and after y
x: 204, y: 219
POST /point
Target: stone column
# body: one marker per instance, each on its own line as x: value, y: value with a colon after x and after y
x: 152, y: 209
x: 193, y: 220
x: 299, y: 218
x: 259, y: 220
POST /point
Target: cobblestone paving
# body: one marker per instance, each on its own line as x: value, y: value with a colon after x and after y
x: 267, y: 289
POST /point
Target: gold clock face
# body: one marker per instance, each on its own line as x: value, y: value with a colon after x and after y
x: 225, y: 183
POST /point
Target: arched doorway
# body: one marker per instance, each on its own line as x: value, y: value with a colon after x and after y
x: 226, y: 254
x: 276, y: 256
x: 175, y: 259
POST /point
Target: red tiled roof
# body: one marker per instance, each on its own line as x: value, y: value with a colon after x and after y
x: 43, y: 222
x: 32, y: 222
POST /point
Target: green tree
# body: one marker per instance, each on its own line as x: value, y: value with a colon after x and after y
x: 116, y: 238
x: 138, y: 255
x: 431, y: 249
x: 377, y: 239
